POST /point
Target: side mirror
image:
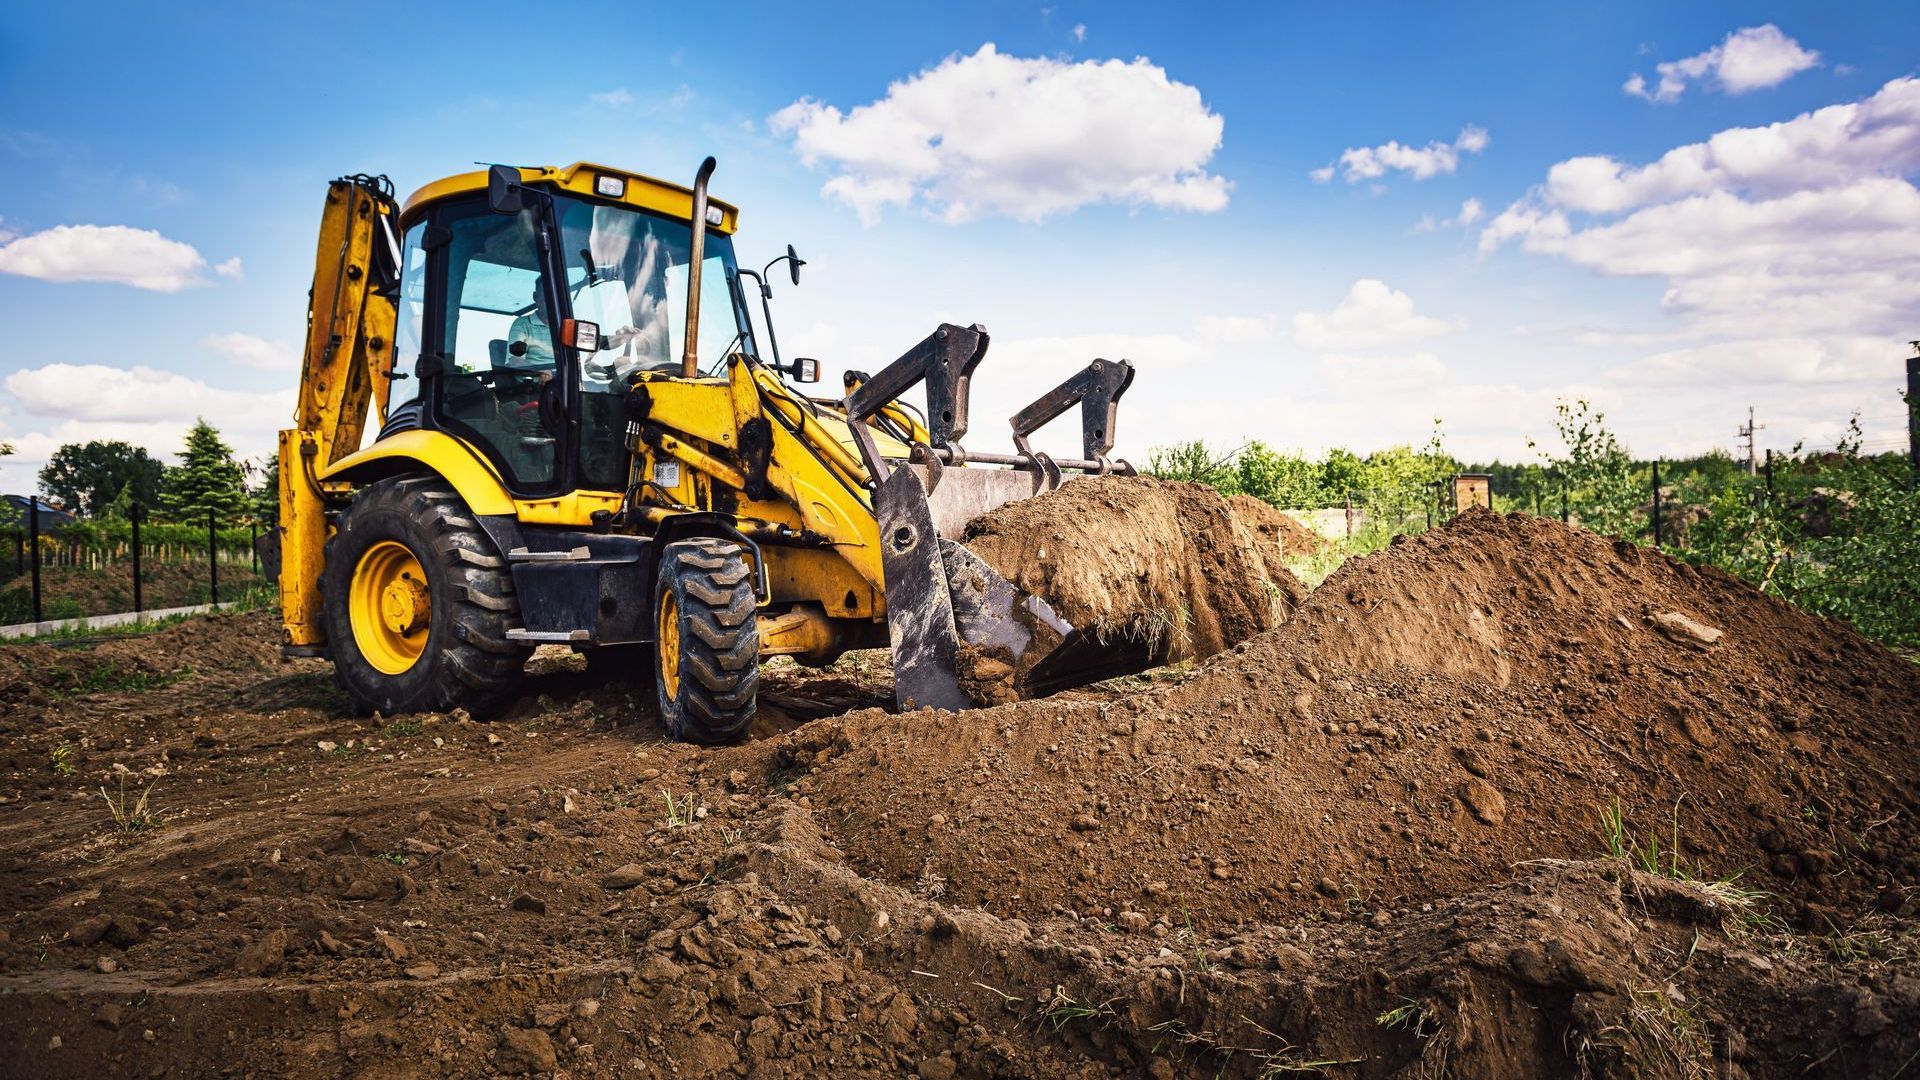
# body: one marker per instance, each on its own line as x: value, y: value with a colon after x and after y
x: 805, y: 370
x: 504, y: 194
x: 580, y: 335
x: 794, y: 263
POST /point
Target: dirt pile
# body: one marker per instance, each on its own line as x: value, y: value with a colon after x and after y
x: 1465, y: 700
x: 1320, y: 851
x: 1141, y: 558
x: 37, y: 673
x: 1285, y: 536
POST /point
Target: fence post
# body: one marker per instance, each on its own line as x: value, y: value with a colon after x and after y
x: 1349, y: 515
x: 134, y: 513
x: 213, y: 560
x: 253, y: 544
x: 1656, y: 502
x: 33, y: 538
x: 1769, y: 473
x: 1566, y: 516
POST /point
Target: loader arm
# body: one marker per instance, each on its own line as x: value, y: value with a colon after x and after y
x: 347, y: 365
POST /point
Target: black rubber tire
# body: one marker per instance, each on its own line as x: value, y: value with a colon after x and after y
x: 467, y: 663
x: 711, y: 583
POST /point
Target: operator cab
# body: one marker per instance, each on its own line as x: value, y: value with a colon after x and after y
x: 491, y: 304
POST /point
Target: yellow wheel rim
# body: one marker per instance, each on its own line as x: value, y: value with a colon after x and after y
x: 390, y: 607
x: 667, y: 644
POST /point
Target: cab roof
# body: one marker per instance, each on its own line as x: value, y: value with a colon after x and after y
x: 645, y: 192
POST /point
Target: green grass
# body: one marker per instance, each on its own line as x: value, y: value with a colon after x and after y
x: 62, y: 759
x: 680, y: 813
x: 401, y: 729
x: 108, y: 677
x: 131, y: 814
x: 1061, y: 1010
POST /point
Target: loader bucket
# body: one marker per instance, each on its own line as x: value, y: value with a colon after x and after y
x: 953, y: 617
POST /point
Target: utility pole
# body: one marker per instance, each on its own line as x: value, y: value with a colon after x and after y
x: 1746, y: 432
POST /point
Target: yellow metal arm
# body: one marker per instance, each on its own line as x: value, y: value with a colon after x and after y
x: 349, y: 354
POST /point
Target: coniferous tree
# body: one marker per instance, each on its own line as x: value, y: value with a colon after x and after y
x: 207, y: 478
x: 264, y: 498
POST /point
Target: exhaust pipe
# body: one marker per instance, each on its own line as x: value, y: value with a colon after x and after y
x: 690, y: 360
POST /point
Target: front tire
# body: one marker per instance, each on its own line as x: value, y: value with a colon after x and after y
x: 418, y: 604
x: 707, y: 642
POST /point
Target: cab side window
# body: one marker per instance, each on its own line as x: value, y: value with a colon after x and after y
x: 409, y: 332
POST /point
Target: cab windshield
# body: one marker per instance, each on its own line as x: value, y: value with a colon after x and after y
x: 627, y: 272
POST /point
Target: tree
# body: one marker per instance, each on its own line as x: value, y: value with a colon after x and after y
x: 1601, y: 480
x: 88, y: 477
x: 1278, y: 477
x: 264, y: 499
x: 1193, y: 463
x: 207, y: 478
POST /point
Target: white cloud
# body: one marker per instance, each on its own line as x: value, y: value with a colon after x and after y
x: 229, y: 269
x: 1371, y: 315
x: 141, y: 258
x: 1374, y: 374
x: 138, y: 405
x: 991, y: 134
x: 615, y: 97
x: 1080, y: 33
x: 1769, y: 362
x: 1422, y: 163
x: 1879, y: 136
x: 1751, y: 58
x: 1470, y: 212
x: 1807, y: 226
x: 99, y: 392
x: 254, y: 352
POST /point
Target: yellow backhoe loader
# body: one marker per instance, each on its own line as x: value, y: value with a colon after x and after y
x: 579, y: 441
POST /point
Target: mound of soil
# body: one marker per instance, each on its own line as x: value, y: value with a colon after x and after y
x: 38, y: 672
x: 1141, y: 558
x: 1319, y: 852
x: 1291, y: 539
x: 1465, y: 700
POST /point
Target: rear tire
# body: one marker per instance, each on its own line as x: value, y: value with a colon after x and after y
x: 707, y: 642
x: 413, y: 538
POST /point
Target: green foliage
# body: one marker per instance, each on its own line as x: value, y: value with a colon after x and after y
x: 1838, y: 534
x: 1600, y: 479
x: 264, y: 498
x: 91, y: 478
x: 207, y: 478
x: 1192, y: 463
x: 1391, y: 484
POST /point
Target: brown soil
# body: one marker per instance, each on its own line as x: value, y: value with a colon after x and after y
x: 1188, y: 873
x: 1292, y: 539
x: 1432, y: 714
x: 1141, y: 558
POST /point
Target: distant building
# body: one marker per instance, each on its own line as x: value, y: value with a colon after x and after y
x: 52, y: 518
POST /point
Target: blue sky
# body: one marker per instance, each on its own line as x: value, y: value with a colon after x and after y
x: 1135, y: 182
